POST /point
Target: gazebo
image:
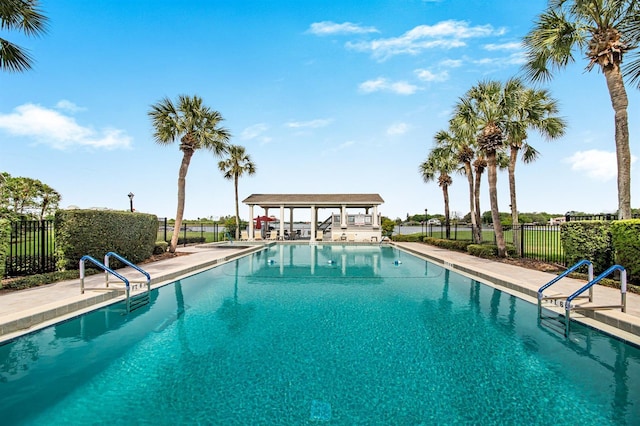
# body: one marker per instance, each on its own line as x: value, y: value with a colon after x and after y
x: 343, y: 225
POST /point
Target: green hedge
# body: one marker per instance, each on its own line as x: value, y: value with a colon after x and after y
x: 97, y: 232
x: 589, y: 240
x: 488, y: 251
x: 5, y: 234
x: 407, y: 238
x: 458, y: 245
x: 625, y: 238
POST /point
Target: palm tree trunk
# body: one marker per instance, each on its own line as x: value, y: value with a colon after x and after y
x: 447, y: 224
x: 235, y: 184
x: 492, y: 176
x: 476, y: 196
x: 620, y: 103
x: 469, y: 172
x: 513, y: 159
x: 182, y: 178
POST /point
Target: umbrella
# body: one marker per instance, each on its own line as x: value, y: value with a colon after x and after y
x: 261, y: 219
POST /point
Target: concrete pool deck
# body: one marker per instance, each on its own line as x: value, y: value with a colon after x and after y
x: 32, y: 309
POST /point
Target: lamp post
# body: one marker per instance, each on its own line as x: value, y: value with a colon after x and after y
x: 131, y: 201
x: 425, y: 222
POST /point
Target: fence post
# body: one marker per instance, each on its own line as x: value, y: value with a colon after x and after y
x: 522, y: 240
x: 42, y: 247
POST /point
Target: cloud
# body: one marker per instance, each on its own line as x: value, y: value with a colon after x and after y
x: 53, y: 128
x: 313, y: 124
x: 598, y: 165
x: 325, y: 28
x: 426, y: 75
x: 445, y: 35
x: 69, y: 106
x: 254, y: 131
x: 516, y: 45
x: 383, y: 85
x: 397, y: 129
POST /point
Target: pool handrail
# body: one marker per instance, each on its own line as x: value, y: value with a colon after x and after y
x: 104, y: 268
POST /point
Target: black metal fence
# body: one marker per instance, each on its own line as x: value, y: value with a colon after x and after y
x: 541, y: 242
x: 208, y: 231
x: 31, y: 248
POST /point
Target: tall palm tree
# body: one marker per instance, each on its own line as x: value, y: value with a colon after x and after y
x: 593, y: 28
x: 27, y: 17
x: 529, y: 109
x: 439, y: 164
x: 196, y: 126
x: 464, y: 153
x: 235, y: 166
x: 481, y: 112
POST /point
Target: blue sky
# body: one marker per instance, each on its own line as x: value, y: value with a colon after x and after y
x: 326, y: 97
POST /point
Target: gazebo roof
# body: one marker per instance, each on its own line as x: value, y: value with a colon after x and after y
x: 318, y: 200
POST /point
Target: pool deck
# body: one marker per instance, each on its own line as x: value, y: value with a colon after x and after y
x: 32, y: 309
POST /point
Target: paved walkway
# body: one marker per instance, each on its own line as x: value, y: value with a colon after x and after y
x: 32, y: 309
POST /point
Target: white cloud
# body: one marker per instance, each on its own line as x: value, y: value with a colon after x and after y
x: 446, y: 35
x: 329, y: 28
x: 426, y: 75
x: 69, y: 106
x: 451, y: 63
x: 503, y: 46
x: 254, y: 131
x: 599, y: 165
x: 59, y: 131
x: 313, y: 124
x: 382, y: 84
x: 397, y: 129
x: 517, y: 58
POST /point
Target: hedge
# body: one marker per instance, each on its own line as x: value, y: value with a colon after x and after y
x: 625, y: 239
x: 589, y: 240
x: 97, y: 232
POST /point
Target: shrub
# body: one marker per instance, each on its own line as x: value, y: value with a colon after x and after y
x: 589, y: 240
x: 488, y: 251
x: 97, y: 232
x: 5, y: 232
x: 160, y: 247
x: 191, y: 240
x: 625, y: 239
x: 407, y: 238
x: 458, y: 245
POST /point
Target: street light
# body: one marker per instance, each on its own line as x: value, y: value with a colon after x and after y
x: 425, y: 222
x: 131, y: 201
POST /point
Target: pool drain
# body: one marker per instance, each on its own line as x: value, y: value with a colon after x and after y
x: 320, y: 411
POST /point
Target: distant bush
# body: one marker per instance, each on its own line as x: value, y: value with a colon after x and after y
x: 191, y: 240
x: 407, y: 238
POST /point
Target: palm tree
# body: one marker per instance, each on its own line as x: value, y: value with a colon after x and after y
x: 464, y: 154
x: 24, y: 16
x: 530, y: 109
x: 593, y: 28
x: 481, y: 113
x: 235, y: 167
x: 196, y: 126
x: 440, y: 162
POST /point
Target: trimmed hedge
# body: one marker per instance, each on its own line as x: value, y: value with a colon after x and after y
x: 488, y: 251
x: 625, y: 238
x: 589, y: 240
x: 5, y: 234
x: 160, y: 247
x: 407, y: 238
x: 458, y: 245
x: 97, y: 232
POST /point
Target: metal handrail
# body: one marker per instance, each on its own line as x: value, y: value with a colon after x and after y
x: 103, y: 267
x: 128, y: 263
x: 562, y: 275
x: 590, y: 284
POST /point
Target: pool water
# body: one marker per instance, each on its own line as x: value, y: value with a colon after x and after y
x: 305, y: 334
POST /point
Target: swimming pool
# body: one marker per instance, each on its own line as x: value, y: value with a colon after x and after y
x: 302, y: 334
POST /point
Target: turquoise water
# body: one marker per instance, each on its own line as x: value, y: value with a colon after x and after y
x: 319, y: 334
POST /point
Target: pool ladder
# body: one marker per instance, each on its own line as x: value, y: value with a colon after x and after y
x: 566, y: 301
x: 133, y: 301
